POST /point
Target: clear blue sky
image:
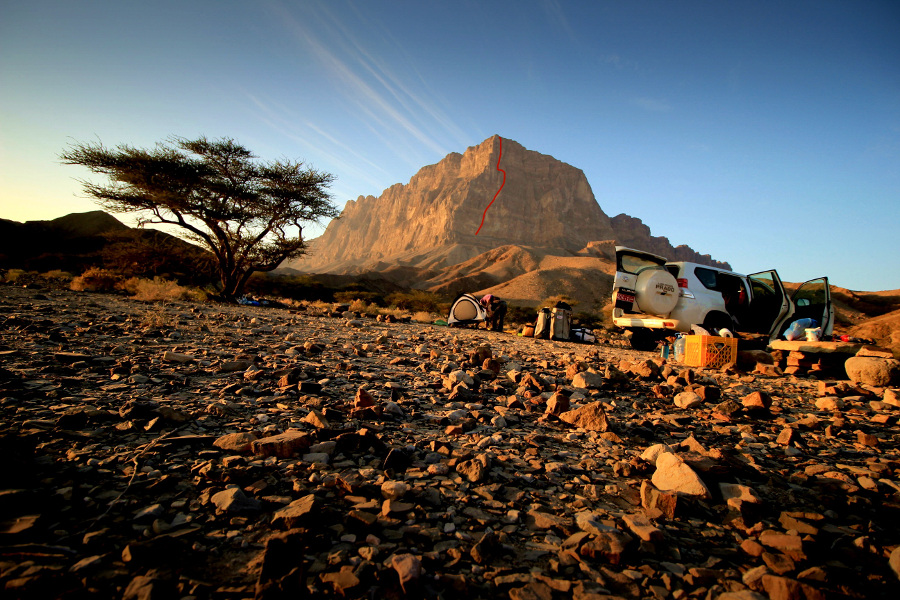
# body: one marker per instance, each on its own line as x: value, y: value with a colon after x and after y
x: 765, y: 133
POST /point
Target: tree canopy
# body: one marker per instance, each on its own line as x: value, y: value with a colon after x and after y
x: 249, y: 214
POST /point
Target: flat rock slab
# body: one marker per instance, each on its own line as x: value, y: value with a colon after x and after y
x: 816, y: 347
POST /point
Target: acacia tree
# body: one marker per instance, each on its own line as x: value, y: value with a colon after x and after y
x: 249, y: 214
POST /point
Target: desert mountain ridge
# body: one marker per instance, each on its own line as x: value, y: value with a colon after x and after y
x: 430, y: 223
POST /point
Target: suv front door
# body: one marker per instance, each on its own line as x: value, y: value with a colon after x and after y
x: 812, y: 300
x: 769, y: 304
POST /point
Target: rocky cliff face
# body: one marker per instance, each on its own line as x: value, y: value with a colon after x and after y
x: 432, y: 220
x: 430, y: 223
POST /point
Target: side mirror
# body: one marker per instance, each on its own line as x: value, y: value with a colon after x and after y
x: 803, y: 302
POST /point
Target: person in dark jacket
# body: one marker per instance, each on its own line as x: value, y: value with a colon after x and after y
x: 496, y: 310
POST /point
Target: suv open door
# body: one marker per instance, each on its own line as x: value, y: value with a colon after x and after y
x: 643, y: 284
x: 769, y: 304
x: 812, y: 300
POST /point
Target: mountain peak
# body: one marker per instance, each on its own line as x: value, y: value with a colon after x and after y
x: 544, y: 202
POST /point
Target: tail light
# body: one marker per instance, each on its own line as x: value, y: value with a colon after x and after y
x: 682, y: 283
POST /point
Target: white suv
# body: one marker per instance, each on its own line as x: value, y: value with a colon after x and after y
x: 653, y: 297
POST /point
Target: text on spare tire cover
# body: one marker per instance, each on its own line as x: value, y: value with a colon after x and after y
x: 665, y: 288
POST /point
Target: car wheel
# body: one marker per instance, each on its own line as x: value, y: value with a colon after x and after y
x: 643, y: 339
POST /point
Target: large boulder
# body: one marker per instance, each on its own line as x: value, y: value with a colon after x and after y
x: 590, y: 417
x: 872, y: 370
x: 674, y: 475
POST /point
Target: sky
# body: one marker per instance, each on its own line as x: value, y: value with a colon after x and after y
x: 764, y: 133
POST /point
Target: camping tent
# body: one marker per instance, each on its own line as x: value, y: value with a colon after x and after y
x: 466, y: 310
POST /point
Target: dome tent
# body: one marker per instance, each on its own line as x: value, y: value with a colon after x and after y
x: 466, y: 310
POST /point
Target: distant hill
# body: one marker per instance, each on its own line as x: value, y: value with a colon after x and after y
x: 78, y: 241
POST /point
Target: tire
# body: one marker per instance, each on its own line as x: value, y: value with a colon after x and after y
x: 656, y: 292
x: 644, y: 340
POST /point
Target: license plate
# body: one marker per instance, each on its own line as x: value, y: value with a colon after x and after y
x: 624, y: 297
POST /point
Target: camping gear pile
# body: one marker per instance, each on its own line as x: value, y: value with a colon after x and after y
x: 556, y: 324
x: 552, y: 323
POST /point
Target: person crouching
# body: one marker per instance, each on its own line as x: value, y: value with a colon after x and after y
x: 496, y: 310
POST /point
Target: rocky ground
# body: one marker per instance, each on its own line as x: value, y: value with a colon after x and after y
x: 205, y: 451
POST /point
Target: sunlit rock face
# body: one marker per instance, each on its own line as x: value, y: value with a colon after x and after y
x: 431, y: 222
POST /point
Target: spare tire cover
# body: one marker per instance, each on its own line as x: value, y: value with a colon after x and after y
x: 656, y: 292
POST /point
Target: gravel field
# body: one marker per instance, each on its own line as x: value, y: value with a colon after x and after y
x: 206, y: 451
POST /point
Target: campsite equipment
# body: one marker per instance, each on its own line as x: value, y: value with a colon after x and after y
x: 709, y: 351
x: 580, y: 334
x: 542, y: 326
x: 466, y: 310
x: 561, y: 323
x: 679, y: 348
x: 798, y: 328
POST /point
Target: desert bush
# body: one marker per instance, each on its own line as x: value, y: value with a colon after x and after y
x: 13, y: 275
x: 148, y: 253
x: 159, y: 289
x: 590, y: 320
x: 58, y: 275
x: 397, y: 313
x: 96, y: 280
x: 415, y: 301
x: 520, y: 314
x: 351, y: 296
x: 424, y: 317
x: 552, y: 300
x: 365, y: 308
x: 157, y: 318
x: 296, y: 287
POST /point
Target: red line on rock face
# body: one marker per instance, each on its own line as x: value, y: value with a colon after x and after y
x: 501, y: 185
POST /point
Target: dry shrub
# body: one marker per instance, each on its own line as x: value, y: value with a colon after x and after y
x: 58, y: 275
x: 424, y: 317
x: 157, y: 318
x: 13, y: 275
x: 365, y: 308
x: 415, y: 300
x: 397, y: 313
x: 552, y: 300
x: 96, y: 280
x: 316, y: 307
x: 159, y: 289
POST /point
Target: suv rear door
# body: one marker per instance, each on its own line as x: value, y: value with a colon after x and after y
x: 629, y: 262
x: 769, y: 304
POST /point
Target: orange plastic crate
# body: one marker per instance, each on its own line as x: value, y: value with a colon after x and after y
x: 709, y: 351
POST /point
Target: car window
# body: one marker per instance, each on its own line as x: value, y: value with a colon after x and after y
x: 811, y: 293
x: 707, y: 277
x: 634, y: 264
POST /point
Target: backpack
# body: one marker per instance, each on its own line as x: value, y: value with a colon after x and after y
x: 561, y: 324
x: 542, y: 326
